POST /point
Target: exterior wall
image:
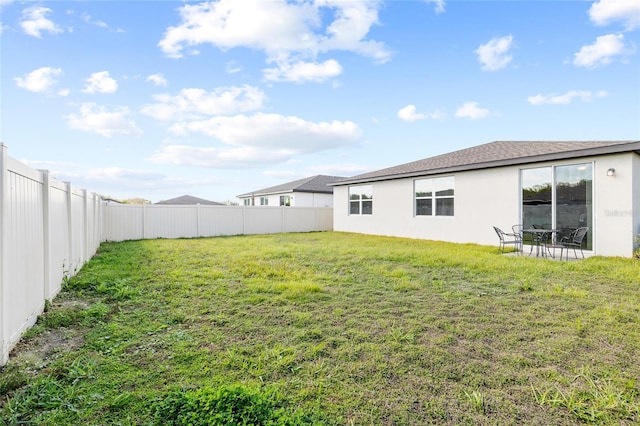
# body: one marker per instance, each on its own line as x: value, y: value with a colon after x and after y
x: 476, y: 195
x: 484, y: 198
x: 312, y: 199
x: 298, y: 199
x: 614, y: 204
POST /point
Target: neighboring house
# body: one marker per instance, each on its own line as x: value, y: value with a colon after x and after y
x: 312, y: 191
x: 460, y: 196
x: 189, y: 200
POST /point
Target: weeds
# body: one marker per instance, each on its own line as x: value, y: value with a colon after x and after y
x: 226, y: 405
x: 477, y: 401
x: 592, y: 399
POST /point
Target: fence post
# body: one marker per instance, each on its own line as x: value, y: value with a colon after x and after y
x: 69, y: 206
x: 197, y: 220
x: 144, y: 219
x: 46, y: 229
x: 4, y: 227
x: 85, y: 227
x: 244, y: 219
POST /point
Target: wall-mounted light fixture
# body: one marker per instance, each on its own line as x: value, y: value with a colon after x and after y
x: 611, y: 171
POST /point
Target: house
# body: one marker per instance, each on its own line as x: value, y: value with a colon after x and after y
x: 460, y: 196
x: 312, y: 191
x: 189, y: 200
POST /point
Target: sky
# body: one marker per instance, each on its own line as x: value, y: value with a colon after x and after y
x: 157, y: 99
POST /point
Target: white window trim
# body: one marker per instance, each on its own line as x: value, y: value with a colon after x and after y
x: 434, y: 197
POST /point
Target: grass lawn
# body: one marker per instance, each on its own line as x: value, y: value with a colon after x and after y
x: 331, y: 328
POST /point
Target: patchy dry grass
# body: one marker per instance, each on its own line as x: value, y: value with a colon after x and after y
x: 342, y: 328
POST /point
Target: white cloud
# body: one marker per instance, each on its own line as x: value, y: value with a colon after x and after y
x: 298, y: 37
x: 100, y: 82
x: 157, y: 79
x: 566, y: 98
x: 87, y: 18
x: 98, y: 119
x: 120, y: 182
x: 232, y: 67
x: 604, y: 12
x: 472, y: 110
x: 39, y: 80
x: 256, y: 140
x: 304, y: 71
x: 439, y: 5
x: 118, y: 173
x: 198, y: 103
x: 409, y: 114
x: 494, y: 55
x: 34, y: 21
x: 602, y: 51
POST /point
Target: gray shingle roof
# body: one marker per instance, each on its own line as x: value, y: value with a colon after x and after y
x: 318, y: 183
x: 189, y: 200
x: 496, y: 154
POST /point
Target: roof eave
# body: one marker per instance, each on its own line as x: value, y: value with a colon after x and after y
x: 290, y: 191
x: 588, y: 152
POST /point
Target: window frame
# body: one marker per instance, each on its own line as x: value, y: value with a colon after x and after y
x: 434, y: 190
x: 285, y: 201
x: 361, y: 197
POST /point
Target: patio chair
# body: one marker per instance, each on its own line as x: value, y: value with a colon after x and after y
x: 508, y: 239
x: 574, y: 241
x: 519, y: 231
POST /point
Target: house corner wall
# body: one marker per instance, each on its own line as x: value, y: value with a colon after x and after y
x: 616, y: 204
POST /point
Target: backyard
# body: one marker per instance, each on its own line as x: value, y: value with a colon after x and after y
x: 331, y: 328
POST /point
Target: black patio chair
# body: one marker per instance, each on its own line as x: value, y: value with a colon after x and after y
x: 508, y: 239
x: 519, y: 231
x: 574, y: 241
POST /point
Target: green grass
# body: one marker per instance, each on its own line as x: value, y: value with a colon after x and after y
x: 331, y: 328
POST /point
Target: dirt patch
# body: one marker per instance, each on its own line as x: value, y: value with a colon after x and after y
x: 40, y: 350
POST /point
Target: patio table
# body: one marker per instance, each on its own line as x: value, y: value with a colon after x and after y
x: 539, y: 236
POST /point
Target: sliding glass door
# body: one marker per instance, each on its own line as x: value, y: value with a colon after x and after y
x: 559, y: 197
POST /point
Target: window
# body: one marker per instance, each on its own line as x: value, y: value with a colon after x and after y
x: 285, y: 200
x: 361, y: 199
x: 435, y: 197
x: 247, y: 201
x: 264, y: 201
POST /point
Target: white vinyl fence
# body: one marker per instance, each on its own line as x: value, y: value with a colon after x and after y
x: 48, y: 230
x: 136, y: 222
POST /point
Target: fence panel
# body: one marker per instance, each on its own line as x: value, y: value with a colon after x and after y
x: 59, y: 247
x: 24, y: 298
x: 133, y: 222
x: 44, y: 234
x: 170, y: 221
x: 221, y: 220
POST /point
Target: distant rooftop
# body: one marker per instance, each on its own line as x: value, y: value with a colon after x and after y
x: 318, y: 184
x: 187, y: 200
x: 496, y: 154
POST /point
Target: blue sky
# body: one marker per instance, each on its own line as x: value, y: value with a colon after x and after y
x: 157, y: 99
